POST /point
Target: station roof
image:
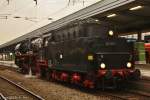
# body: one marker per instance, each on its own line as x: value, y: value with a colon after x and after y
x: 129, y: 18
x: 117, y: 12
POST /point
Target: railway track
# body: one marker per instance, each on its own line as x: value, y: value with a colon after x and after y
x: 115, y: 95
x: 134, y: 91
x: 2, y: 97
x: 12, y: 91
x: 141, y: 85
x: 128, y: 95
x: 111, y: 94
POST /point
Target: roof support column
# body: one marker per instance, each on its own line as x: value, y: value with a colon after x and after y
x: 139, y: 36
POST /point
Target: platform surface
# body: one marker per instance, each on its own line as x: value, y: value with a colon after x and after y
x: 8, y: 63
x: 145, y: 69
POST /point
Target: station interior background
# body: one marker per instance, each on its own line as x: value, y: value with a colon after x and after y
x: 143, y: 54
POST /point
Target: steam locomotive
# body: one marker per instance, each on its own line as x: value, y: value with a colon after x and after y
x: 84, y: 52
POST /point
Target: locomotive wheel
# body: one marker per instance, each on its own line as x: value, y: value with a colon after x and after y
x: 118, y: 83
x: 47, y: 73
x: 24, y: 69
x: 89, y: 84
x: 90, y: 80
x: 42, y: 72
x: 47, y: 76
x: 76, y: 79
x: 136, y: 74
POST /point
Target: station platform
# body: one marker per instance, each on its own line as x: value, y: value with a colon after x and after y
x: 8, y: 63
x: 144, y: 68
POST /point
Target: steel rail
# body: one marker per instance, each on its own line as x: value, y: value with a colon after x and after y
x: 22, y: 88
x: 116, y: 96
x: 2, y: 97
x: 142, y: 93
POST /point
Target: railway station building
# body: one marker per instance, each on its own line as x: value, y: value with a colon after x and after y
x: 128, y: 18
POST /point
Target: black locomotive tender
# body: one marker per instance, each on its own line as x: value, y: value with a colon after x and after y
x: 83, y: 52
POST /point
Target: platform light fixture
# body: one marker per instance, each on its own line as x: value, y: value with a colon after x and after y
x: 96, y: 20
x: 111, y: 15
x: 10, y: 54
x: 136, y: 8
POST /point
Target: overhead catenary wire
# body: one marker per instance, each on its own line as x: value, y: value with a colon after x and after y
x: 60, y: 10
x: 12, y: 13
x: 36, y: 15
x: 22, y: 8
x: 54, y: 13
x: 16, y: 10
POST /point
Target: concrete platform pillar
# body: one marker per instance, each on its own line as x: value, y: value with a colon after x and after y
x: 139, y: 35
x: 139, y: 45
